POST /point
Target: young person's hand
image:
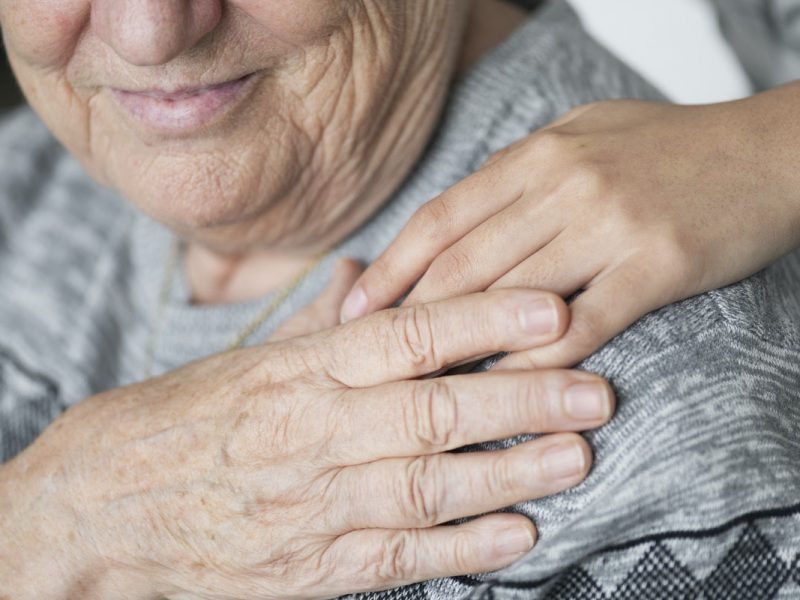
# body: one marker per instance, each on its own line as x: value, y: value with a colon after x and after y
x: 634, y: 204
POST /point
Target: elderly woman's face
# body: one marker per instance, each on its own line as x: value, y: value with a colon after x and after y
x: 237, y: 122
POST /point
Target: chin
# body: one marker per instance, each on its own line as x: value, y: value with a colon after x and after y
x: 197, y: 201
x: 203, y: 189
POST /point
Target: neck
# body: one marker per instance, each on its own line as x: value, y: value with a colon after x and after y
x: 221, y: 279
x: 216, y: 278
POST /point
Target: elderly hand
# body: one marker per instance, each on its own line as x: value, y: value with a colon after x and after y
x: 634, y: 204
x: 307, y: 468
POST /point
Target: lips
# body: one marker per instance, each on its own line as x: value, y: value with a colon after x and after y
x: 185, y: 110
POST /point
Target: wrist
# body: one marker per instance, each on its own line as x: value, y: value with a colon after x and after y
x: 775, y: 138
x: 757, y: 141
x: 33, y: 563
x: 46, y: 548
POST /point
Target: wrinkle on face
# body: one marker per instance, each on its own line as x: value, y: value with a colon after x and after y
x: 348, y: 94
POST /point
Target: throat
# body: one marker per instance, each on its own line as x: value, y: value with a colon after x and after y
x: 491, y: 22
x: 218, y: 279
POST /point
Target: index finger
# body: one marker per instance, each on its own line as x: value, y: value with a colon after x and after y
x: 441, y: 223
x: 433, y: 228
x: 405, y: 343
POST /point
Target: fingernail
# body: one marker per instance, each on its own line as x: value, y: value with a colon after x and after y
x: 514, y: 541
x: 539, y: 318
x: 563, y: 462
x: 354, y: 306
x: 587, y: 402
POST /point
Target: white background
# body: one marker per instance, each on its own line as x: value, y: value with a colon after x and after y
x: 676, y: 44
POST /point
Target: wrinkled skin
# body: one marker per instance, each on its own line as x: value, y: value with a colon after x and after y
x: 315, y: 465
x: 301, y: 470
x: 347, y: 95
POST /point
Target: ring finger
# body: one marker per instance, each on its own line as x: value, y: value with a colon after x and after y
x: 425, y: 491
x: 409, y: 419
x: 562, y: 267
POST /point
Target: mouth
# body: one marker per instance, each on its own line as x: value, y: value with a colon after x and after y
x: 184, y: 110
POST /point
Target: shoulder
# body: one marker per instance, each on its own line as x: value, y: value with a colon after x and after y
x: 571, y: 64
x: 717, y: 335
x: 548, y: 66
x: 700, y: 459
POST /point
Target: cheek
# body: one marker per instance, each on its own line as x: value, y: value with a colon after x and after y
x: 297, y: 22
x: 44, y: 33
x: 41, y: 38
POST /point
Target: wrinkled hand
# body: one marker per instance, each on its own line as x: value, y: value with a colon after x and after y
x: 312, y: 467
x: 634, y: 204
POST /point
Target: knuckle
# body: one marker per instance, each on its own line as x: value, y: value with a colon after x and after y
x: 414, y: 336
x: 534, y: 406
x: 589, y: 179
x: 624, y: 223
x: 433, y: 219
x: 541, y: 275
x: 677, y: 255
x: 464, y: 552
x: 453, y: 268
x: 502, y: 479
x: 589, y: 329
x: 526, y: 361
x: 432, y: 422
x: 382, y: 272
x: 421, y: 493
x: 396, y: 558
x: 550, y: 143
x: 318, y: 358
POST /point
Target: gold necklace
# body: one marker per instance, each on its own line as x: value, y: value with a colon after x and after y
x: 165, y: 294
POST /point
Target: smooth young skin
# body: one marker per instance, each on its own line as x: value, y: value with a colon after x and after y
x: 636, y: 204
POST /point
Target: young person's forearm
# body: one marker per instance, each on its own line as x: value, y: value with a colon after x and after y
x: 773, y: 127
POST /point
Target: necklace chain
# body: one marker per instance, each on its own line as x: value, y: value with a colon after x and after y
x: 165, y: 294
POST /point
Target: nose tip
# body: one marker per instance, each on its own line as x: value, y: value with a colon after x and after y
x: 153, y: 32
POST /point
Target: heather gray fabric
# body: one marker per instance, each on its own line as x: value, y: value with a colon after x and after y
x: 695, y: 489
x: 766, y: 36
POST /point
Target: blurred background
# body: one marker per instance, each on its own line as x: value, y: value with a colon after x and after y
x: 9, y: 93
x: 674, y: 43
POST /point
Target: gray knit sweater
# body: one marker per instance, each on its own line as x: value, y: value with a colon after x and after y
x: 696, y: 486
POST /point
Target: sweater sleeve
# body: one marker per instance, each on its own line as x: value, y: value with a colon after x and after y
x: 695, y: 484
x: 29, y: 402
x: 29, y: 399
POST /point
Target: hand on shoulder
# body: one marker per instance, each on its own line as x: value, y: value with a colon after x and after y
x: 633, y: 204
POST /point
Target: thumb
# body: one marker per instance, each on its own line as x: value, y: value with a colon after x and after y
x: 323, y: 313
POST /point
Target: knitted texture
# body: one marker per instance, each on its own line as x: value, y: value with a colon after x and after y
x: 696, y: 480
x: 765, y: 34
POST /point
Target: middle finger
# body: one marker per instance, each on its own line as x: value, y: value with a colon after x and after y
x: 426, y: 491
x: 421, y: 417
